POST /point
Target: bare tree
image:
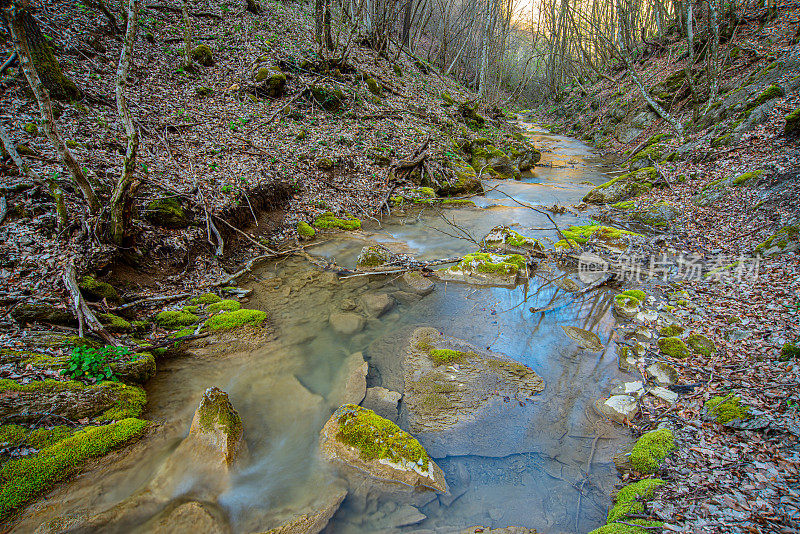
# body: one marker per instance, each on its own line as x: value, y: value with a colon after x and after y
x: 16, y: 18
x: 121, y: 204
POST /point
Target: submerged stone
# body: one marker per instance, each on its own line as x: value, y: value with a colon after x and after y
x: 347, y: 323
x: 587, y: 340
x: 383, y: 402
x: 373, y: 256
x: 415, y: 282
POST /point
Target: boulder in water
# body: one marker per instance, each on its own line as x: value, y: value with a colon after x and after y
x: 217, y: 426
x: 482, y: 268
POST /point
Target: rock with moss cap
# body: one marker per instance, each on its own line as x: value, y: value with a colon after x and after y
x: 25, y: 478
x: 673, y: 347
x: 651, y: 449
x: 373, y: 86
x: 235, y: 319
x: 31, y: 312
x: 94, y: 289
x: 523, y: 154
x: 328, y: 221
x: 271, y: 82
x: 792, y: 126
x: 331, y: 99
x: 361, y: 441
x: 465, y: 180
x: 486, y: 157
x: 629, y: 501
x: 174, y: 319
x: 106, y: 401
x: 623, y: 187
x: 305, y: 231
x: 373, y: 256
x: 628, y: 303
x: 469, y: 112
x: 168, y: 212
x: 216, y: 425
x: 785, y: 240
x: 700, y: 344
x: 482, y: 268
x: 450, y: 384
x: 505, y: 240
x: 503, y: 530
x: 202, y: 54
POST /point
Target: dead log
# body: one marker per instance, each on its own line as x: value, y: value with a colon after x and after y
x: 85, y: 315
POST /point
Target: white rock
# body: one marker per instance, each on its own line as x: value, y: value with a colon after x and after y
x: 619, y: 408
x: 663, y: 394
x: 662, y: 373
x: 634, y: 389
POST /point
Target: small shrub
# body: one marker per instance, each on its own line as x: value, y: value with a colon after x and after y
x: 91, y: 364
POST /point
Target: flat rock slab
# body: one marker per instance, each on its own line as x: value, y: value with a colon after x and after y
x: 453, y: 407
x: 663, y: 394
x: 663, y: 374
x: 414, y: 282
x: 347, y: 323
x: 376, y: 304
x: 314, y: 521
x: 619, y: 408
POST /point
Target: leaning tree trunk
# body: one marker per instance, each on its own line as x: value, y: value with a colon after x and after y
x: 121, y: 204
x: 58, y: 85
x: 15, y: 19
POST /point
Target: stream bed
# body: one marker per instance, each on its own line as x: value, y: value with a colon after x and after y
x: 543, y: 464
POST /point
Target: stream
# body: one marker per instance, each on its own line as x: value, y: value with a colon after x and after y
x: 522, y: 464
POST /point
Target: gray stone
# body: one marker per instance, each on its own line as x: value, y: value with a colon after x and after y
x: 376, y: 304
x: 414, y: 282
x: 383, y: 402
x: 351, y: 381
x: 347, y: 323
x: 634, y: 389
x: 619, y: 408
x: 663, y: 374
x: 663, y: 394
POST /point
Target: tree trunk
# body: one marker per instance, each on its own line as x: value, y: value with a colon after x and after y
x: 15, y: 17
x: 58, y: 85
x: 121, y: 204
x: 187, y: 34
x: 407, y: 23
x: 713, y: 57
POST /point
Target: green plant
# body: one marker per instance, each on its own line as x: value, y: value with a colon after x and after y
x: 91, y: 364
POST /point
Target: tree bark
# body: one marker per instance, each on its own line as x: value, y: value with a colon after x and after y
x: 41, y: 55
x: 17, y: 17
x: 121, y: 204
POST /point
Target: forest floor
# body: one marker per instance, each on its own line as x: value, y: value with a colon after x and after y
x: 721, y: 478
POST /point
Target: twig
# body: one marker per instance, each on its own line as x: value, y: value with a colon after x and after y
x: 82, y: 311
x: 9, y: 62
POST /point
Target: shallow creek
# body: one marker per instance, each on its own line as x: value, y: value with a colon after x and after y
x: 520, y: 464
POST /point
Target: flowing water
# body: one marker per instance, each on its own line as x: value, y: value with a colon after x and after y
x: 545, y: 464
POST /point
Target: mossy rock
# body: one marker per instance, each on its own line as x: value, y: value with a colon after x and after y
x: 397, y: 70
x: 168, y: 212
x: 203, y: 55
x: 628, y: 303
x: 271, y: 83
x: 771, y: 92
x: 789, y: 351
x: 380, y: 155
x: 785, y: 240
x: 203, y: 92
x: 94, y: 289
x: 700, y: 344
x: 673, y: 347
x: 726, y: 409
x: 650, y: 449
x: 174, y: 319
x: 37, y: 438
x: 44, y: 313
x: 328, y: 221
x: 331, y: 99
x: 623, y: 187
x: 495, y: 162
x: 468, y: 111
x: 486, y: 269
x: 305, y: 231
x: 235, y: 319
x: 647, y: 156
x: 792, y: 126
x: 114, y: 323
x: 658, y: 214
x: 672, y: 330
x: 227, y: 305
x: 447, y: 100
x: 325, y: 163
x: 136, y: 369
x: 629, y: 499
x: 373, y: 86
x: 466, y: 180
x: 373, y: 256
x: 506, y: 239
x: 31, y: 129
x: 24, y: 479
x: 206, y: 298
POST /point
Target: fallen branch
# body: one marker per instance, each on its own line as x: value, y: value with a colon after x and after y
x: 85, y: 315
x: 9, y: 62
x: 170, y: 342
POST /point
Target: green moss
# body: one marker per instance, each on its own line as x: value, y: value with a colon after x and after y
x: 203, y: 55
x: 217, y: 411
x: 629, y: 499
x: 305, y: 230
x: 167, y: 212
x: 726, y: 409
x: 792, y: 122
x: 327, y: 220
x: 488, y: 263
x: 624, y: 205
x: 627, y: 528
x: 206, y: 298
x: 671, y: 330
x: 673, y: 347
x: 227, y: 305
x: 26, y: 478
x: 654, y: 153
x: 425, y: 192
x: 183, y: 332
x: 38, y: 438
x: 191, y: 309
x: 443, y: 356
x: 638, y: 294
x: 781, y: 238
x: 130, y: 401
x: 378, y: 438
x: 581, y: 234
x: 114, y: 323
x: 373, y: 86
x: 650, y: 449
x: 789, y: 351
x: 235, y: 319
x: 174, y: 319
x: 747, y: 177
x: 98, y: 290
x: 773, y: 91
x: 700, y: 344
x: 447, y: 100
